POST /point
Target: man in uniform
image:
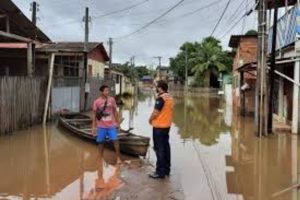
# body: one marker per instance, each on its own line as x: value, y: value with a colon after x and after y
x: 161, y: 120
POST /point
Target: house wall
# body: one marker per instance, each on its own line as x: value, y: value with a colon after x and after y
x: 13, y: 62
x: 128, y: 87
x: 96, y: 69
x: 246, y: 53
x: 96, y: 54
x: 96, y: 63
x: 14, y: 66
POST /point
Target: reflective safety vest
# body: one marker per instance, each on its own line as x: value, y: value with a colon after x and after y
x: 165, y: 116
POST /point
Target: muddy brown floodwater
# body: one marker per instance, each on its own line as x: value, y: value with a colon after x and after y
x: 215, y: 156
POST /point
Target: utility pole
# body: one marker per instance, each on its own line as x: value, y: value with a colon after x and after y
x: 110, y: 43
x: 159, y: 66
x: 31, y: 54
x: 186, y: 69
x: 87, y: 20
x: 132, y: 64
x: 86, y: 41
x: 273, y: 67
x: 34, y: 11
x: 261, y: 83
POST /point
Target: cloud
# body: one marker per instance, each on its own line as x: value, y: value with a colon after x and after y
x: 62, y: 21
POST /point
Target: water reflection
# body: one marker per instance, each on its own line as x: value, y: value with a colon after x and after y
x: 262, y: 169
x: 48, y: 163
x: 212, y: 159
x: 200, y: 118
x: 107, y: 182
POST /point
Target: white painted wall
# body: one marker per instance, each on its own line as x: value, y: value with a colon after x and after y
x: 98, y: 68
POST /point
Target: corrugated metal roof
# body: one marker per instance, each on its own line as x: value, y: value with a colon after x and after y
x: 70, y: 46
x: 76, y: 47
x: 19, y: 23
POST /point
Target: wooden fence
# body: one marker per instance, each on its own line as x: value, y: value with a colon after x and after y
x: 21, y: 102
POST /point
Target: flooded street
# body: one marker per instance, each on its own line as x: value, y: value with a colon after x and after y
x: 215, y: 156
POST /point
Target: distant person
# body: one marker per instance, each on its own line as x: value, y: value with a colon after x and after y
x: 106, y: 121
x: 161, y: 120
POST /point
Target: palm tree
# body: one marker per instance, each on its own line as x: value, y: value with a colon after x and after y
x: 209, y: 58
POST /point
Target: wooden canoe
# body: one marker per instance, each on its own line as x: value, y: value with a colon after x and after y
x: 81, y: 125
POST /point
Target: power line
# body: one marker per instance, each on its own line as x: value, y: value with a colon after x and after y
x: 244, y: 20
x: 153, y: 21
x: 122, y: 10
x: 234, y: 25
x: 73, y: 21
x: 237, y: 22
x: 221, y: 17
x: 195, y: 11
x: 236, y: 12
x: 162, y: 9
x: 241, y: 12
x: 176, y: 18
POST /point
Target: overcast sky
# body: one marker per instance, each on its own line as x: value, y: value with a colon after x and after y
x: 61, y: 20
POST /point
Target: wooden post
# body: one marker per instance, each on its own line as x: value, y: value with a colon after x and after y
x: 258, y: 75
x: 296, y: 98
x: 51, y: 67
x: 29, y: 60
x: 273, y: 66
x: 34, y: 36
x: 85, y: 55
x: 264, y: 116
x: 261, y: 84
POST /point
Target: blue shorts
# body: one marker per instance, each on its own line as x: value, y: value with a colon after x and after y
x: 106, y: 134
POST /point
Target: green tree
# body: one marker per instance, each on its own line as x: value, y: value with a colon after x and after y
x: 210, y: 60
x: 205, y: 59
x: 177, y: 64
x: 128, y: 71
x: 251, y: 32
x: 142, y: 71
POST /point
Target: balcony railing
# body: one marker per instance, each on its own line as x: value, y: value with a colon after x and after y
x: 286, y: 30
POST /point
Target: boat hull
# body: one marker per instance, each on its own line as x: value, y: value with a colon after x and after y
x: 80, y: 125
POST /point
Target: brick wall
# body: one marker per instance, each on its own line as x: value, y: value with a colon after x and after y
x: 246, y: 53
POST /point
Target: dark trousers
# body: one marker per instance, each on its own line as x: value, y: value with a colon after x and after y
x: 162, y: 150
